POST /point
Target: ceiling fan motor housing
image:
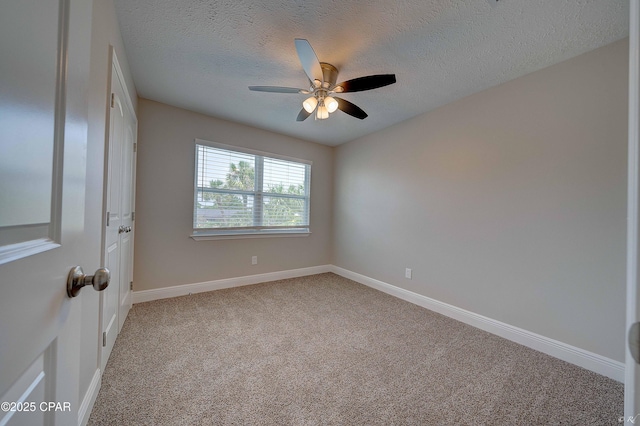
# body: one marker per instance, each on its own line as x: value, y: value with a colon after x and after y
x: 329, y: 74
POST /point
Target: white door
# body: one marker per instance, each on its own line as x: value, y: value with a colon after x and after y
x: 45, y: 51
x: 118, y: 237
x: 632, y: 370
x: 127, y: 197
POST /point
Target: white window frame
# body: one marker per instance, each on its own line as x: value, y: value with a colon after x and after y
x: 256, y: 231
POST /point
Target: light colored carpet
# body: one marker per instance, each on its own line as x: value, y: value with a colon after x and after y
x: 324, y: 350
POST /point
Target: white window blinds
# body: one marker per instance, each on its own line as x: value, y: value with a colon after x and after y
x: 245, y: 192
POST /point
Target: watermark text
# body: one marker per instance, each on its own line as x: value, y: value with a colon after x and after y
x: 28, y: 406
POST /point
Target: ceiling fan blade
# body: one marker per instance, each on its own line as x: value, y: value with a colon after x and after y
x: 366, y: 83
x: 309, y: 60
x: 351, y: 109
x: 302, y: 115
x: 277, y: 89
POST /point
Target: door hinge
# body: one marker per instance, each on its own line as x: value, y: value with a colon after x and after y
x: 131, y: 285
x: 108, y: 217
x: 113, y: 100
x: 135, y: 147
x: 133, y: 216
x: 104, y: 338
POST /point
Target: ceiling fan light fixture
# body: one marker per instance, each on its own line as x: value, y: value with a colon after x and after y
x: 331, y: 104
x: 310, y: 104
x: 322, y: 113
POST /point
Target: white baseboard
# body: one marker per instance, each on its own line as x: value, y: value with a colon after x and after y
x: 185, y: 289
x: 580, y: 357
x: 89, y: 398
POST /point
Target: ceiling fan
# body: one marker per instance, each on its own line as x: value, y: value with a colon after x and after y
x: 322, y: 79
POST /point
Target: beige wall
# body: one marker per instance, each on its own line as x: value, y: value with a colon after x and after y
x: 105, y: 32
x: 510, y: 203
x: 165, y: 255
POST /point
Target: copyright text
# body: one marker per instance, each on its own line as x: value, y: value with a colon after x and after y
x: 35, y: 406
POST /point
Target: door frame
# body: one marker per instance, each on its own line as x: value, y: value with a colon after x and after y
x: 632, y: 370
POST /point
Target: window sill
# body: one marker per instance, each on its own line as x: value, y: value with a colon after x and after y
x: 205, y: 236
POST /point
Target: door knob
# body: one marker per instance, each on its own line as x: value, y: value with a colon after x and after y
x: 634, y: 341
x: 77, y: 279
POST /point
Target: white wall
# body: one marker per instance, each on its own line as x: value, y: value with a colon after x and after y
x: 165, y: 255
x: 509, y: 203
x: 105, y: 32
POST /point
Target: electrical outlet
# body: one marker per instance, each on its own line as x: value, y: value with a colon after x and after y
x: 254, y: 260
x: 407, y: 273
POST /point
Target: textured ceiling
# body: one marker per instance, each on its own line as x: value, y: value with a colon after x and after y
x: 202, y: 55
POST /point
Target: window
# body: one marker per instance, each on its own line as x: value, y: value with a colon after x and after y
x: 240, y: 192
